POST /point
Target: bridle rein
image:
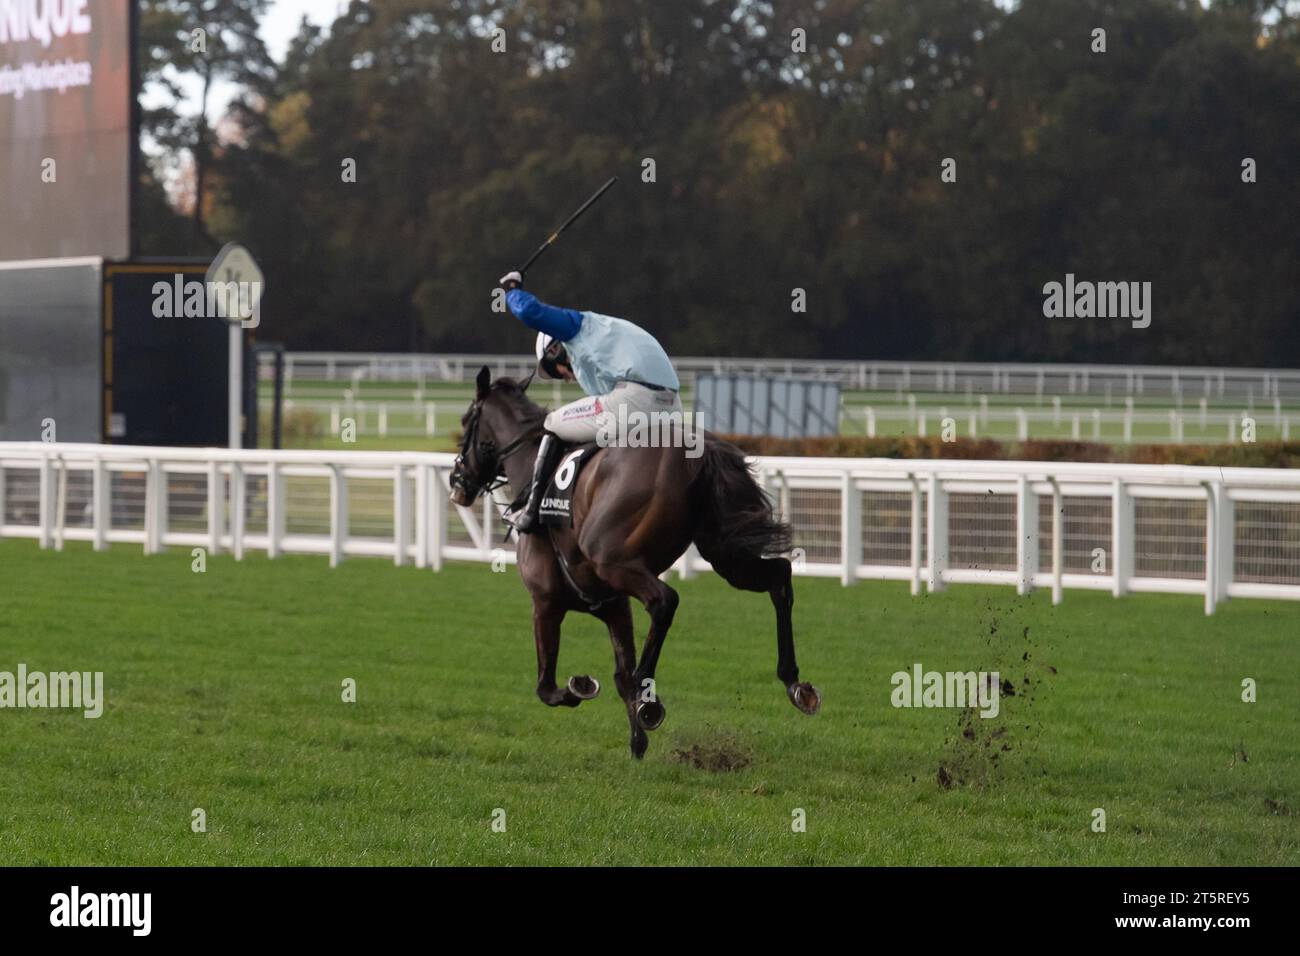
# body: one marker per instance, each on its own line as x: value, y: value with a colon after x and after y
x: 489, y: 476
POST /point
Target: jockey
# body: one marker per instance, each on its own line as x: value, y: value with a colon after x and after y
x: 618, y: 365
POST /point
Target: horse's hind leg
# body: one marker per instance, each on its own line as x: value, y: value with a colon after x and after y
x: 661, y: 603
x: 548, y: 615
x: 773, y: 576
x: 617, y: 615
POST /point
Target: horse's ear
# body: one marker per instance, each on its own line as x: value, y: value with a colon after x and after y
x: 482, y: 382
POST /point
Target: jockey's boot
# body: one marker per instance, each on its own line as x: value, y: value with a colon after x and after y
x: 528, y: 522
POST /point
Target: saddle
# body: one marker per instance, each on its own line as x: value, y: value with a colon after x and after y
x: 556, y: 510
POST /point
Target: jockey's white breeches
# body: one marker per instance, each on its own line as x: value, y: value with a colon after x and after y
x: 583, y: 420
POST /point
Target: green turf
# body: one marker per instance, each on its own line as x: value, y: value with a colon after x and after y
x: 224, y: 693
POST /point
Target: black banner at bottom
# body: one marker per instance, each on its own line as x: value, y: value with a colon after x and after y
x: 331, y: 906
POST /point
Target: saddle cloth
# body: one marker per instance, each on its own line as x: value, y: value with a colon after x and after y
x: 557, y: 502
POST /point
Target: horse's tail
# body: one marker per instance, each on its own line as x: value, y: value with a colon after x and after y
x: 736, y: 520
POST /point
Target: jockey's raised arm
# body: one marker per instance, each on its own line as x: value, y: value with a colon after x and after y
x: 620, y: 366
x: 561, y: 324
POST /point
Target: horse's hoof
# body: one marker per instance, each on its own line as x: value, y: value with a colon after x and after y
x: 806, y: 697
x: 650, y: 715
x: 583, y: 687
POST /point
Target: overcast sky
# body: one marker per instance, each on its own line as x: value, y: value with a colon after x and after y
x: 277, y: 29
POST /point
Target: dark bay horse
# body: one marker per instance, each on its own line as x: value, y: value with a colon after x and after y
x: 635, y: 512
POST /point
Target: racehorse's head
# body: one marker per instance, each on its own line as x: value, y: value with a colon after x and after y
x: 497, y: 423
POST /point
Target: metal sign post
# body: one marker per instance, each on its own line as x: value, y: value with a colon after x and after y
x: 235, y: 268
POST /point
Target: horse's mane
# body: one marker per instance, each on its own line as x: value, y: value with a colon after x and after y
x: 526, y: 411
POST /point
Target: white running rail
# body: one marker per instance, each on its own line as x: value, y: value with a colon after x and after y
x: 1214, y: 532
x: 1185, y: 383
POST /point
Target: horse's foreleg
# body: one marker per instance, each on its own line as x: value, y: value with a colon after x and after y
x: 547, y: 618
x: 617, y: 615
x: 661, y: 604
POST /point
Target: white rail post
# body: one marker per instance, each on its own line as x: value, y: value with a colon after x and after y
x: 915, y: 540
x: 401, y: 516
x: 103, y: 509
x: 430, y: 420
x: 60, y: 501
x: 437, y: 520
x: 1022, y: 424
x: 686, y: 563
x: 422, y: 515
x: 850, y: 528
x: 2, y: 499
x: 275, y: 501
x: 1121, y: 538
x: 216, y: 507
x: 1211, y: 548
x: 238, y: 509
x: 1026, y: 536
x: 156, y: 508
x: 45, y: 507
x: 936, y: 534
x: 1058, y: 543
x: 338, y: 514
x: 1225, y: 510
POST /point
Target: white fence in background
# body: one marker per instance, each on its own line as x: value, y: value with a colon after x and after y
x: 1127, y: 425
x: 1186, y: 383
x: 1213, y: 532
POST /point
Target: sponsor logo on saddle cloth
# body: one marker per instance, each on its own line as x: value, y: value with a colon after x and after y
x: 557, y: 503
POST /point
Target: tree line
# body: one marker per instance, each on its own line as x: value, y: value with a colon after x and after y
x: 822, y: 178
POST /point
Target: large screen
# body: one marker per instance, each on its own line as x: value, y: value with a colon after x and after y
x: 65, y: 128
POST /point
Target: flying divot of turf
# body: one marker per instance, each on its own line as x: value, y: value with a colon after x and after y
x: 979, y: 748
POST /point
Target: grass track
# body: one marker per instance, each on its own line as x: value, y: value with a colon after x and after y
x: 224, y: 693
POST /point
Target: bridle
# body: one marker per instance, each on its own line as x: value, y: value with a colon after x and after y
x: 491, y: 461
